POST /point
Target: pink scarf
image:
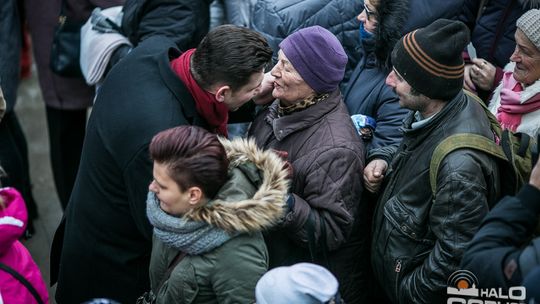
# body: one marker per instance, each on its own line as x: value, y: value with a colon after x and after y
x: 511, y: 109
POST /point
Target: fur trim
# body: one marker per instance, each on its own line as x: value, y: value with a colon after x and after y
x: 391, y: 15
x: 265, y: 208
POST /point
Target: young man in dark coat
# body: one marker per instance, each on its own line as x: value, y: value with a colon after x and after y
x: 419, y: 237
x: 102, y: 247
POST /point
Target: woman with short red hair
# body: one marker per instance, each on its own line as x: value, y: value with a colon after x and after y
x: 208, y: 202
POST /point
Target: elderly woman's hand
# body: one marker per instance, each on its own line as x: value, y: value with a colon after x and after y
x: 482, y: 74
x: 468, y: 84
x: 265, y: 93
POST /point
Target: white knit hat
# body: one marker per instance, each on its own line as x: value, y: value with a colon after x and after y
x: 302, y: 283
x: 529, y: 23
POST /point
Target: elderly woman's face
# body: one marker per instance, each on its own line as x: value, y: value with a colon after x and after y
x: 527, y: 59
x: 289, y: 87
x: 368, y: 16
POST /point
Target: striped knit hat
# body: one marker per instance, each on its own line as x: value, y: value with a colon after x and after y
x: 430, y: 60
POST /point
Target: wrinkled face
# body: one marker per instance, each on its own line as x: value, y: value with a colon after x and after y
x: 407, y: 99
x: 368, y: 16
x: 171, y: 199
x: 527, y: 59
x: 235, y: 99
x: 289, y: 87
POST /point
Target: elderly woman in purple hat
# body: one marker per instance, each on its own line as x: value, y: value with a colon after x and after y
x: 310, y: 124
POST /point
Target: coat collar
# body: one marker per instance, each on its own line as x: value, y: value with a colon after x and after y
x: 286, y: 125
x: 177, y: 87
x: 263, y: 209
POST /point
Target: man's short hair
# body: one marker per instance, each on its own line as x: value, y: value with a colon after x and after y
x: 230, y: 54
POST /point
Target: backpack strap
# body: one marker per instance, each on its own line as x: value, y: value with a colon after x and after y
x: 459, y: 141
x: 23, y: 281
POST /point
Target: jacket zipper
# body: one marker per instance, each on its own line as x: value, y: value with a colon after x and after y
x: 397, y: 270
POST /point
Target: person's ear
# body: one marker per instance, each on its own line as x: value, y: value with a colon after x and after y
x: 196, y: 196
x: 222, y: 92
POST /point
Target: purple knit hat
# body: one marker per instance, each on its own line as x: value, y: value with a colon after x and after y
x: 318, y: 57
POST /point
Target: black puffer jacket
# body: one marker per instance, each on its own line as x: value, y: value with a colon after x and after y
x: 276, y: 19
x: 184, y: 21
x: 418, y: 239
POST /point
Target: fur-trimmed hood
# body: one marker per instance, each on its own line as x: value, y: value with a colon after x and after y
x: 391, y: 16
x: 265, y: 209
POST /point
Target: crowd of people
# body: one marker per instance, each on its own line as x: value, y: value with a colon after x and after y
x: 330, y: 187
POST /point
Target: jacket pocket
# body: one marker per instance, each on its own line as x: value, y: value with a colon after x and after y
x: 407, y: 223
x: 405, y: 244
x: 182, y: 285
x: 402, y: 266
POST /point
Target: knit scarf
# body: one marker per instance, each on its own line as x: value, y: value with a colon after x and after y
x: 214, y: 112
x: 511, y: 109
x: 192, y: 237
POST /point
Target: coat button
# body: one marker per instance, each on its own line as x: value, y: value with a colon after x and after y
x: 404, y: 228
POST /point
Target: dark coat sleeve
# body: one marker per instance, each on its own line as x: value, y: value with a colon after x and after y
x: 389, y: 120
x: 332, y: 190
x: 505, y: 234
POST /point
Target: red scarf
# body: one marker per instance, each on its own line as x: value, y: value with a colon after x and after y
x: 214, y: 112
x: 512, y: 109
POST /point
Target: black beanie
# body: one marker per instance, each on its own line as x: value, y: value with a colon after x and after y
x: 430, y: 59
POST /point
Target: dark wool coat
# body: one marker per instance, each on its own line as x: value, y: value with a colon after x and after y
x: 418, y: 238
x: 104, y: 250
x: 327, y: 157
